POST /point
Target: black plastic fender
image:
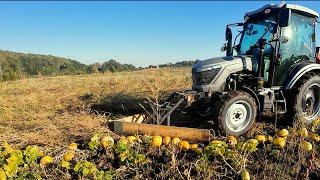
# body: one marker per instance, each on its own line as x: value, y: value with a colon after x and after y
x: 298, y: 71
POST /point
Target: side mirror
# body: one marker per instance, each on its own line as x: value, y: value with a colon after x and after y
x: 228, y: 34
x: 229, y: 42
x: 284, y: 17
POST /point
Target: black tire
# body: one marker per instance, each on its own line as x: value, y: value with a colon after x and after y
x: 301, y: 107
x: 231, y: 100
x: 205, y: 113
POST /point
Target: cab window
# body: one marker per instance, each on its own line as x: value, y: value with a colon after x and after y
x: 301, y: 38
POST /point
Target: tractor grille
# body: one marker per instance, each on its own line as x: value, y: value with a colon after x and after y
x: 204, y: 77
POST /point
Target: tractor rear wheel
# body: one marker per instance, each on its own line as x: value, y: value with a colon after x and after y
x: 236, y: 112
x: 306, y: 103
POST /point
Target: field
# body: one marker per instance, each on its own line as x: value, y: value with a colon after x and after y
x: 42, y: 116
x: 55, y: 110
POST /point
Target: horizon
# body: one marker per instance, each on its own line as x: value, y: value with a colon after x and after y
x: 138, y: 33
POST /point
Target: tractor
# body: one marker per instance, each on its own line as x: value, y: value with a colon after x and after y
x: 272, y: 65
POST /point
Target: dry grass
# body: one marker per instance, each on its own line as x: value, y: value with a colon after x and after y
x: 55, y: 110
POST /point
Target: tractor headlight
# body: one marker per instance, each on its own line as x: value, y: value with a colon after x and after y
x: 207, y: 68
x: 205, y: 74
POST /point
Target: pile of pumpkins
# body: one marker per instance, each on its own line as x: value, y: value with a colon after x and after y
x: 158, y: 141
x: 282, y: 135
x: 66, y: 157
x: 154, y: 141
x: 279, y: 140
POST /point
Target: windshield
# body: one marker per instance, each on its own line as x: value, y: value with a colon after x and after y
x: 252, y: 31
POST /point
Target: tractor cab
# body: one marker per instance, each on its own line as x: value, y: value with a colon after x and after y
x: 288, y: 32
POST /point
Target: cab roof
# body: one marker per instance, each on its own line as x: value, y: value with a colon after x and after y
x: 298, y: 8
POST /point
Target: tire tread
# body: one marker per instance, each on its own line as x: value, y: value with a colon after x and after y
x: 294, y: 92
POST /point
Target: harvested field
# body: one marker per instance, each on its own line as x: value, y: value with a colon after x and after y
x: 40, y: 117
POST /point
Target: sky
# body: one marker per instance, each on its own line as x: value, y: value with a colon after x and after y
x: 139, y: 33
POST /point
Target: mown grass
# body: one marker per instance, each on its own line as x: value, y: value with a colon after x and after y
x: 52, y: 112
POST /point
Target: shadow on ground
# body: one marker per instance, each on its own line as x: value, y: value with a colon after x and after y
x: 122, y: 104
x: 119, y: 105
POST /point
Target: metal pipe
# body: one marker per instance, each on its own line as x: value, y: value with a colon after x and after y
x: 262, y: 44
x: 171, y: 110
x: 259, y: 78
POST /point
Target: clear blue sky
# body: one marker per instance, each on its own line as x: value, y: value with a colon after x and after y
x: 139, y: 33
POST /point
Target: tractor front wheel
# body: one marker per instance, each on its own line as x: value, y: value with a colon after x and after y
x: 236, y: 113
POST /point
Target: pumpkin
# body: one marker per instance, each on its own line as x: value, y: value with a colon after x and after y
x: 232, y: 142
x: 3, y: 175
x: 156, y: 141
x: 283, y: 133
x: 45, y: 160
x: 245, y: 175
x: 307, y: 145
x: 175, y: 141
x: 280, y: 142
x: 184, y: 145
x: 250, y: 145
x: 193, y: 147
x: 131, y: 139
x: 166, y: 140
x: 303, y: 132
x: 261, y: 138
x: 315, y: 137
x: 106, y: 141
x: 216, y: 142
x: 123, y: 140
x: 68, y: 156
x: 73, y: 146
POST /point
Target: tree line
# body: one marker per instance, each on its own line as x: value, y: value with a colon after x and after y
x: 110, y: 66
x: 19, y: 65
x: 15, y: 65
x: 178, y: 64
